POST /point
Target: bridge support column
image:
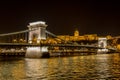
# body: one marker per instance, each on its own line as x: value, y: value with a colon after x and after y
x: 36, y: 34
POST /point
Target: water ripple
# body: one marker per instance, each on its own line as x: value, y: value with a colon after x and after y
x: 91, y: 67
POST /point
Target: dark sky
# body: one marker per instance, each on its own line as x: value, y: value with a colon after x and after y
x: 62, y: 17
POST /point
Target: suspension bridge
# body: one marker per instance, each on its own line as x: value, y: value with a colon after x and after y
x: 29, y: 42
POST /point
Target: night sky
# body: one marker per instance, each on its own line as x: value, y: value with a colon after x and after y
x: 62, y: 17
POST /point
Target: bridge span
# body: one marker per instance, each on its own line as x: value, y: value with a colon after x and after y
x: 30, y: 40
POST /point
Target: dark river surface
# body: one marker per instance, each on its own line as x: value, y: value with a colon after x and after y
x: 88, y: 67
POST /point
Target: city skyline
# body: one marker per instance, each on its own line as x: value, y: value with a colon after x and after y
x: 62, y: 17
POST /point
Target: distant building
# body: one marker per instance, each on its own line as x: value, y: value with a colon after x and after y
x: 77, y: 37
x: 76, y: 33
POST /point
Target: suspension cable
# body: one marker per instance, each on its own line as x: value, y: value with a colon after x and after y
x: 18, y: 32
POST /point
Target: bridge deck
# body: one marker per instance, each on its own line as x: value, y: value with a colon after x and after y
x: 54, y: 45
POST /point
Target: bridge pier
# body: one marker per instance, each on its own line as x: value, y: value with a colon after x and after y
x: 36, y: 52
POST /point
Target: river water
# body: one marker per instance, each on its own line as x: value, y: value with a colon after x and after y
x: 88, y: 67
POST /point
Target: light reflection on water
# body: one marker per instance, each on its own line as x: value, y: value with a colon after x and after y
x: 100, y: 66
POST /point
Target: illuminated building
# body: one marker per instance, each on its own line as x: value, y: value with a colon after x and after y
x: 77, y: 37
x: 76, y: 33
x: 87, y: 38
x: 109, y: 37
x: 118, y: 46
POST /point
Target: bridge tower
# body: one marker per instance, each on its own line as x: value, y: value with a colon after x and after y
x: 36, y: 33
x: 102, y: 42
